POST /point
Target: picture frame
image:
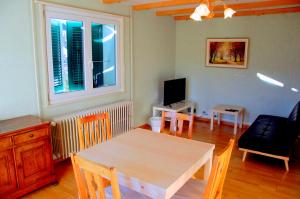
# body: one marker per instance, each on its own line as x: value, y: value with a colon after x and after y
x: 227, y: 53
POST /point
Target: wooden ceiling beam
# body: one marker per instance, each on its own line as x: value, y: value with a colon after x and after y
x: 239, y: 6
x: 147, y: 6
x: 250, y: 13
x: 113, y: 1
x: 176, y: 11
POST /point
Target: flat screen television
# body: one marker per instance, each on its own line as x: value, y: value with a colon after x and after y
x: 174, y: 91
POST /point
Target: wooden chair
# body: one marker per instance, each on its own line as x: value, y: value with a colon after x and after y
x: 92, y: 179
x: 177, y: 120
x: 213, y: 188
x: 95, y: 181
x: 89, y: 131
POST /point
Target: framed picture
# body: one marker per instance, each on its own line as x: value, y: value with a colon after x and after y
x: 228, y: 53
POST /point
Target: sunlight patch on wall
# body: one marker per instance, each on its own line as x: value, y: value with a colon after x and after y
x: 294, y: 90
x: 269, y: 80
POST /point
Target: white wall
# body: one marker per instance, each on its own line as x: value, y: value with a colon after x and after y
x: 17, y: 73
x: 153, y: 58
x: 274, y: 51
x: 154, y: 43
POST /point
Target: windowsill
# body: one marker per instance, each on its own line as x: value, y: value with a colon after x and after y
x: 81, y: 98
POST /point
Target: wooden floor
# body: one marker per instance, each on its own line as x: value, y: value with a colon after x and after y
x: 259, y: 177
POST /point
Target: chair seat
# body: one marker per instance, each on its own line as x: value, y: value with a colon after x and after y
x: 192, y: 189
x: 126, y: 193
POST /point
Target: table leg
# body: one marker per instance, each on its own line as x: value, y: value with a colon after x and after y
x: 242, y: 119
x: 235, y: 123
x: 192, y: 108
x: 212, y: 121
x: 207, y: 168
x: 153, y: 112
x: 219, y: 118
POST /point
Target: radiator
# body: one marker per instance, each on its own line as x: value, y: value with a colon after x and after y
x: 65, y: 132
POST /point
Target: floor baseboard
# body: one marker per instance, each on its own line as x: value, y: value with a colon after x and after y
x: 199, y: 119
x: 226, y: 123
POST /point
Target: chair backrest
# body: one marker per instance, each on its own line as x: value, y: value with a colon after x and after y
x: 93, y: 129
x: 216, y: 179
x: 177, y: 120
x: 92, y: 178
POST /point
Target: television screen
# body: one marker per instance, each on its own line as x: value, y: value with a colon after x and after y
x: 174, y: 91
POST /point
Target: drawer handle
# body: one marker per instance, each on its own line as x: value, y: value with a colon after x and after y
x: 31, y: 135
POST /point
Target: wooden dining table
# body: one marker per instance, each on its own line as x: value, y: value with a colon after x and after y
x: 154, y: 164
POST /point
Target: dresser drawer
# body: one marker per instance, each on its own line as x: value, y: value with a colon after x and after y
x: 31, y: 135
x: 5, y: 143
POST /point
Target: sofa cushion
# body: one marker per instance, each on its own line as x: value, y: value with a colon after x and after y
x: 268, y: 134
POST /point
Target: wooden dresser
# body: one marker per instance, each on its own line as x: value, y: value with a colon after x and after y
x: 25, y: 156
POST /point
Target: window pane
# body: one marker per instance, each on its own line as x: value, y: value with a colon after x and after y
x: 67, y: 55
x: 104, y: 55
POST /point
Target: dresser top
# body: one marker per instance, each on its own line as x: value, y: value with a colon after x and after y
x: 20, y: 124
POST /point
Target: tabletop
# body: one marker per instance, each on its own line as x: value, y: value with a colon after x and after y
x: 222, y: 107
x: 151, y: 163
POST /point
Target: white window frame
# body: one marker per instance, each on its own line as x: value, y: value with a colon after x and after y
x: 87, y: 17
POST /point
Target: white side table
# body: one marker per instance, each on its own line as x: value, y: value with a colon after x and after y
x: 237, y: 111
x: 176, y: 107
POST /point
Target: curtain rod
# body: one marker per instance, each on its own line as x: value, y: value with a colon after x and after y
x: 44, y: 2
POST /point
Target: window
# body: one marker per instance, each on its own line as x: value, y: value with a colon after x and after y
x: 85, y: 55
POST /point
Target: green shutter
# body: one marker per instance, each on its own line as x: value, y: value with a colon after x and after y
x: 56, y: 56
x: 97, y: 54
x: 75, y: 55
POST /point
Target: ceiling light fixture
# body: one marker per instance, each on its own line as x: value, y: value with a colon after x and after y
x: 203, y: 11
x: 196, y: 17
x: 228, y: 12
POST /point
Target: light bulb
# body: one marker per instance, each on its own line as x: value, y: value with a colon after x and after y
x: 228, y: 12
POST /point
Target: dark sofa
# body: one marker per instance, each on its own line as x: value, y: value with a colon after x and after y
x: 272, y: 136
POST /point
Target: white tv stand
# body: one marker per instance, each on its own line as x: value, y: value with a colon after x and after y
x: 176, y: 107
